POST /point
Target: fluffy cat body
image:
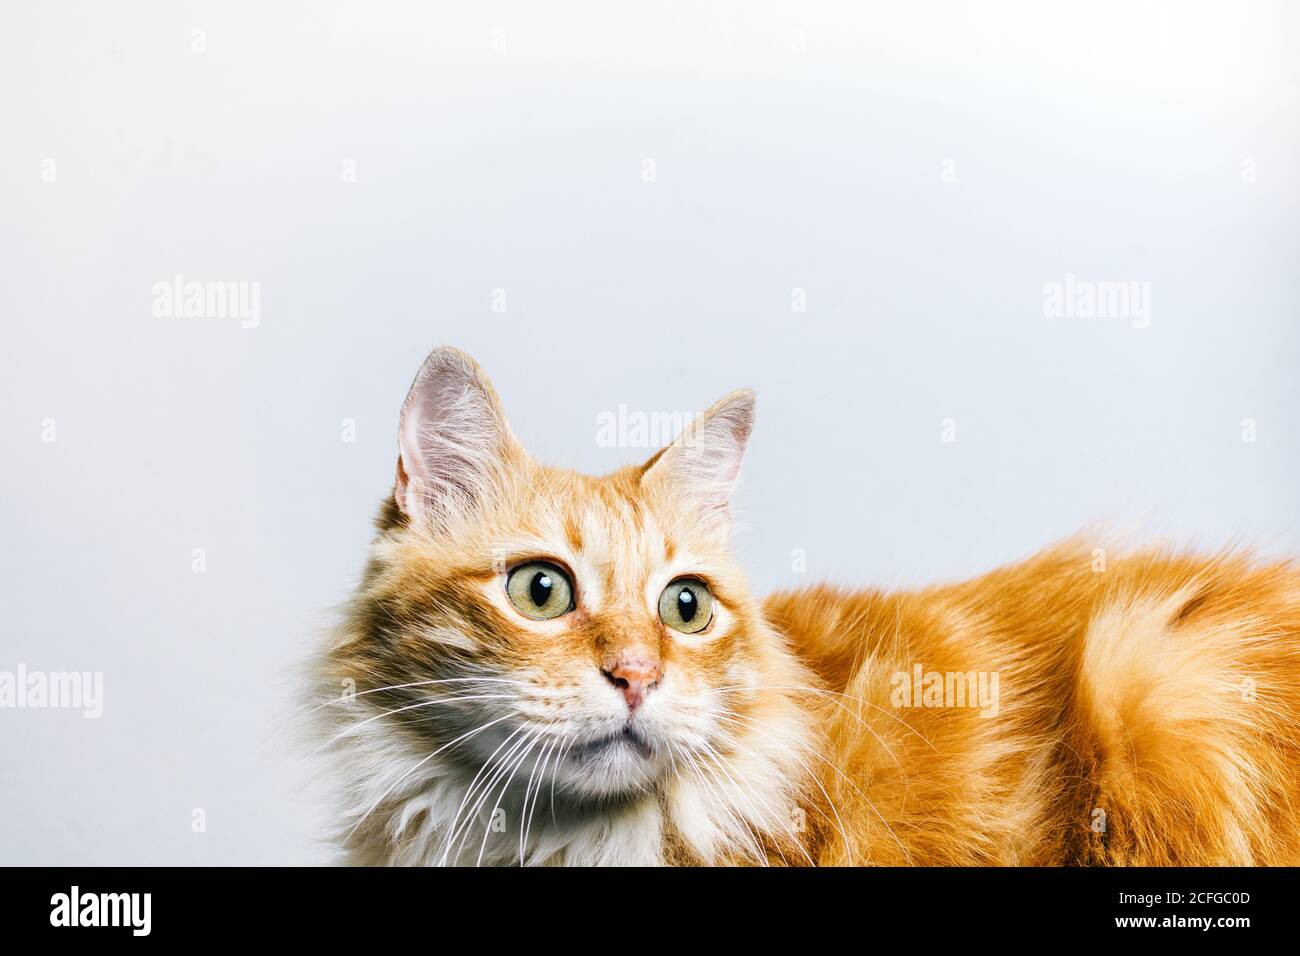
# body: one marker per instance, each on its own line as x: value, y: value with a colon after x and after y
x: 1076, y: 708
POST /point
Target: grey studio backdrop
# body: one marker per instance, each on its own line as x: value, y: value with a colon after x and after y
x: 886, y: 218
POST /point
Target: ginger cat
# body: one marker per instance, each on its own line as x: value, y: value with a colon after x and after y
x: 541, y: 667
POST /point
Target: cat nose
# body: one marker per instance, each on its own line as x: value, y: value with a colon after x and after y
x: 635, y: 677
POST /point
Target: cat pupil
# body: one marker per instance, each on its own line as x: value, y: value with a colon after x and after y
x: 539, y: 589
x: 686, y: 605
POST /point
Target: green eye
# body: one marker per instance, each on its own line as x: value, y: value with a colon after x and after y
x: 540, y: 590
x: 686, y: 605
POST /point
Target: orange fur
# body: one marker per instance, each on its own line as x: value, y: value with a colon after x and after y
x: 1075, y: 708
x: 1148, y: 713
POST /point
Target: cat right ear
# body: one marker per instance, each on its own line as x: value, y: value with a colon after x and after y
x: 455, y: 447
x: 702, y: 465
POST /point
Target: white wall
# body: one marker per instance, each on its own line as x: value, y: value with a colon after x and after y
x: 797, y: 145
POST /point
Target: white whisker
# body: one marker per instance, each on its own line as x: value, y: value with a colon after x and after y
x: 353, y: 728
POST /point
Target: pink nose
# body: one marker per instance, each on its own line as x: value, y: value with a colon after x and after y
x: 635, y: 677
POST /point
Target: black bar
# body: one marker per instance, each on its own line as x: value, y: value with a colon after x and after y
x: 359, y: 907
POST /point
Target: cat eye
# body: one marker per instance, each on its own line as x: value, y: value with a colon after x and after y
x: 686, y: 605
x: 540, y: 590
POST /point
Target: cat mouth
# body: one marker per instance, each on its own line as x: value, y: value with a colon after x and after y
x: 627, y: 738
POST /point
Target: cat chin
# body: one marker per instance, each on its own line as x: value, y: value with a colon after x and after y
x: 613, y: 805
x: 611, y: 767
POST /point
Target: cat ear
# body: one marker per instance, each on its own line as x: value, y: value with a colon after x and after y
x: 701, y: 467
x: 455, y: 447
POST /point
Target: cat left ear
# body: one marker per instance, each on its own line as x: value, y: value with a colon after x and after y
x: 703, y: 464
x: 456, y: 449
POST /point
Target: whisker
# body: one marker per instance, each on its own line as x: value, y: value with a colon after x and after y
x: 541, y: 778
x: 569, y: 742
x: 503, y: 766
x: 349, y: 698
x: 833, y: 693
x: 812, y: 776
x: 720, y: 799
x: 473, y: 785
x: 505, y: 787
x: 417, y: 766
x: 353, y: 728
x: 710, y: 754
x: 770, y: 808
x: 845, y: 778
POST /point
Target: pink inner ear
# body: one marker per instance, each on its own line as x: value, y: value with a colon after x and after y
x: 399, y: 487
x: 705, y: 462
x: 452, y: 437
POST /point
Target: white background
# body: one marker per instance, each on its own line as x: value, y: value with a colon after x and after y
x: 795, y: 146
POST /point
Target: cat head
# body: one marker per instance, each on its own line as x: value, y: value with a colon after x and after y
x: 524, y: 626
